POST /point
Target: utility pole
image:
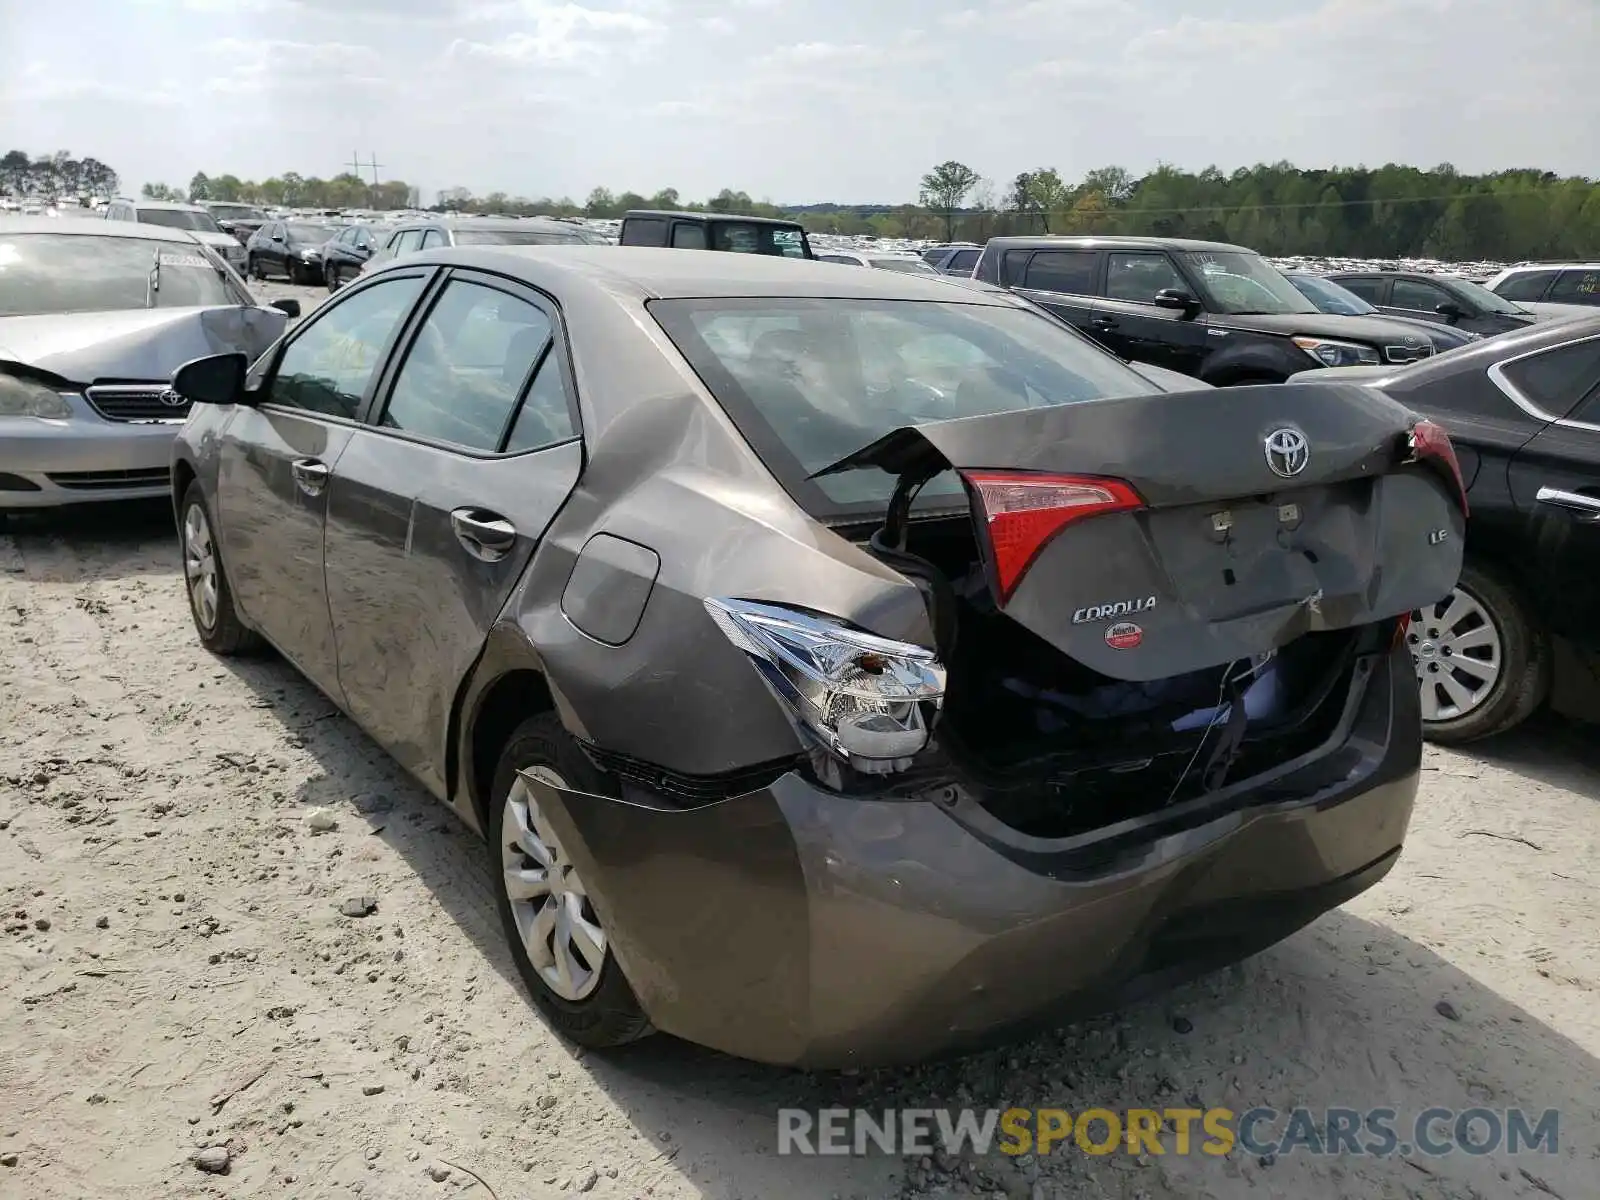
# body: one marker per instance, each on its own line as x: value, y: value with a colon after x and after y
x: 357, y: 166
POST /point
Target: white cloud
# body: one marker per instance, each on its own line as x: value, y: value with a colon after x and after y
x: 718, y: 25
x: 270, y: 64
x: 565, y: 33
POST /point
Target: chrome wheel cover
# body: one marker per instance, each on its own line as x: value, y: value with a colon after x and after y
x: 555, y: 920
x: 200, y: 567
x: 1458, y: 653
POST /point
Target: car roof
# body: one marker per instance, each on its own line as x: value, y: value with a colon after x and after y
x: 1576, y: 265
x: 1102, y: 242
x: 709, y: 216
x: 94, y: 228
x: 644, y: 272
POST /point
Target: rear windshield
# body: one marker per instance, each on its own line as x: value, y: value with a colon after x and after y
x: 907, y: 266
x: 76, y: 273
x: 311, y: 233
x: 809, y: 381
x: 518, y: 237
x: 180, y: 218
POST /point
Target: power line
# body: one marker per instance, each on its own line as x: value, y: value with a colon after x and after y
x: 1233, y: 208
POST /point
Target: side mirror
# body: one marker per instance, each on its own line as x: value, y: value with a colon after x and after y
x: 1449, y: 310
x: 289, y: 308
x: 1177, y: 300
x: 215, y: 379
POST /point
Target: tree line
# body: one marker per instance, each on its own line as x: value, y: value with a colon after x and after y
x: 1389, y: 212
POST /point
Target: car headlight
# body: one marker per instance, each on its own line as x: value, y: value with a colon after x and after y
x: 24, y: 398
x: 868, y: 700
x: 1332, y: 353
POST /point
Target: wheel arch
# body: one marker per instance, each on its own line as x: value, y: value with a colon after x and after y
x: 183, y: 475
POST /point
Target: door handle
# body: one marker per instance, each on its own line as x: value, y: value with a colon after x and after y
x: 1103, y: 323
x: 1587, y: 506
x: 310, y: 475
x: 485, y: 535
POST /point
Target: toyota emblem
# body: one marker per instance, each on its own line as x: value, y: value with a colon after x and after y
x: 1288, y: 452
x: 172, y: 398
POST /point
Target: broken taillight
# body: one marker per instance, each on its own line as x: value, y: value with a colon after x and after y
x: 1431, y: 444
x: 1022, y: 511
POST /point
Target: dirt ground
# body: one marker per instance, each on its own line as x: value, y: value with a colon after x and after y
x: 175, y: 971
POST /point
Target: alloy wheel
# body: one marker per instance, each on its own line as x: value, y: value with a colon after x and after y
x: 1458, y: 653
x: 200, y: 566
x: 554, y: 917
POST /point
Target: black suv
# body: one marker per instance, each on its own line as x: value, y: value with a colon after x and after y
x: 1217, y: 312
x: 728, y: 232
x: 1444, y: 299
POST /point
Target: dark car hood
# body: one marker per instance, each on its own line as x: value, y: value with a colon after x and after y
x: 1444, y: 337
x: 141, y: 344
x: 1377, y: 331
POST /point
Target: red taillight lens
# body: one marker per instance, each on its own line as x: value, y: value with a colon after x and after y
x: 1022, y: 511
x: 1431, y: 444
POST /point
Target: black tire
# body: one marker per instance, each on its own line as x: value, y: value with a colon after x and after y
x: 226, y: 635
x: 610, y: 1015
x: 1523, y: 684
x: 291, y: 270
x: 330, y: 275
x: 252, y: 268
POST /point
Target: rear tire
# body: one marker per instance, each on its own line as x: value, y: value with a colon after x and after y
x: 330, y: 275
x: 598, y: 1009
x: 206, y: 583
x: 1488, y: 614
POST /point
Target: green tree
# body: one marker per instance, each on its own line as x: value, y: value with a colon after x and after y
x: 945, y: 188
x: 160, y: 191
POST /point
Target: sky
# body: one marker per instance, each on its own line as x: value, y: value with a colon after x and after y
x: 794, y: 101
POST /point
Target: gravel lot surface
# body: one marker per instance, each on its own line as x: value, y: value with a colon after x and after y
x: 180, y: 993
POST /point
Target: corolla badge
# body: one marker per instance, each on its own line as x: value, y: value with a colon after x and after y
x: 1288, y: 452
x: 172, y: 398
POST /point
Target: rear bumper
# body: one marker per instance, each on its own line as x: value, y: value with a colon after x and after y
x: 793, y: 925
x: 84, y: 459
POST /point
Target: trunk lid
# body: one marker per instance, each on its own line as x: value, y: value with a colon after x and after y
x: 1155, y: 535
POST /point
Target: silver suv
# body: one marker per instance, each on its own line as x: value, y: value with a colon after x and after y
x: 191, y: 217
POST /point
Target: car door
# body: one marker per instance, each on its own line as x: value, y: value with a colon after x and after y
x: 1128, y: 323
x: 275, y: 252
x: 276, y: 458
x: 1062, y: 281
x: 1555, y: 481
x: 437, y: 504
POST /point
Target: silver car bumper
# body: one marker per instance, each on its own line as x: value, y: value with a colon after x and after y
x: 83, y: 459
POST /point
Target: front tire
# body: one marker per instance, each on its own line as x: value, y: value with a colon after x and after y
x: 330, y: 275
x: 557, y: 940
x: 210, y: 598
x: 1483, y: 663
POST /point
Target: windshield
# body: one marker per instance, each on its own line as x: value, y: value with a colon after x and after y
x: 1330, y: 297
x: 810, y: 381
x: 180, y: 218
x: 518, y: 237
x: 1241, y: 283
x: 310, y: 233
x: 1488, y: 300
x: 78, y: 273
x: 237, y: 212
x: 907, y: 266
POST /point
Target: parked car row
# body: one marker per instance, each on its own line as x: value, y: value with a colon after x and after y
x: 749, y: 606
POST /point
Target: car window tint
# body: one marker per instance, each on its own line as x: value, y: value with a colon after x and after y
x: 432, y: 238
x: 408, y: 241
x: 545, y: 417
x: 1557, y: 379
x: 644, y: 231
x: 1367, y: 289
x: 1526, y: 285
x: 787, y: 242
x: 689, y: 237
x: 1068, y: 271
x: 1138, y: 277
x: 327, y: 367
x: 963, y: 260
x: 1576, y: 287
x: 466, y: 367
x: 1414, y: 294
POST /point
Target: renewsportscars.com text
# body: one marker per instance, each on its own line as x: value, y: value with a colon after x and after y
x: 1372, y: 1132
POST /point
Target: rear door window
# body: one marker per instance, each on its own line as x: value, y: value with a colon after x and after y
x: 546, y: 414
x: 790, y: 243
x: 1575, y: 287
x: 1525, y: 285
x: 408, y: 241
x: 466, y: 367
x: 1559, y: 378
x: 1365, y: 286
x: 963, y: 260
x: 432, y: 238
x: 1138, y: 277
x: 1070, y: 272
x: 688, y: 235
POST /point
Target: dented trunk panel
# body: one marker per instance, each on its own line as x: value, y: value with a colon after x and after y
x: 1232, y: 556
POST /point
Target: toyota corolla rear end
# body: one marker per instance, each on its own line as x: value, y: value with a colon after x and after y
x: 1162, y: 716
